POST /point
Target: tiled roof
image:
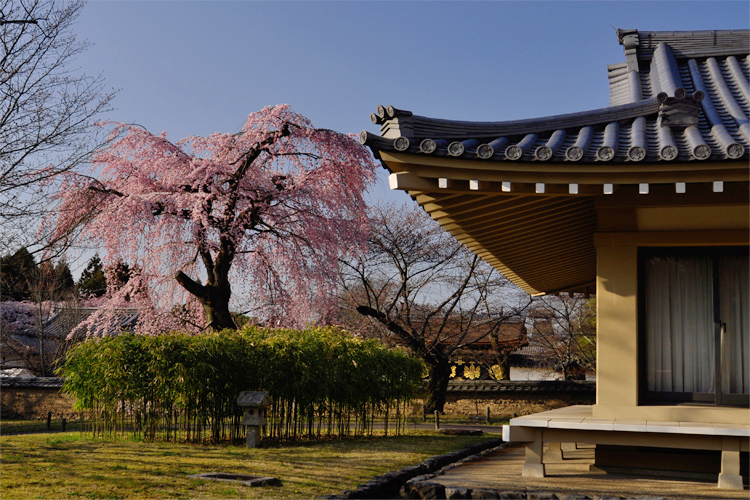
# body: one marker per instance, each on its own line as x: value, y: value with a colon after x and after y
x: 523, y: 194
x: 535, y: 351
x: 63, y: 321
x: 546, y: 386
x: 679, y: 96
x: 508, y: 331
x: 40, y: 382
x: 122, y: 319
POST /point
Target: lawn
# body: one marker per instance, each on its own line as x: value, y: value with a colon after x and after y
x: 74, y: 465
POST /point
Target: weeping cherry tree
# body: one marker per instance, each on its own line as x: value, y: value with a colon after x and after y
x: 268, y: 209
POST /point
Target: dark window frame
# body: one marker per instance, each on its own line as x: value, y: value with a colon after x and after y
x: 646, y: 397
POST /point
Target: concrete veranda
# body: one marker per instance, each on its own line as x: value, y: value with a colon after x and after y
x: 501, y: 471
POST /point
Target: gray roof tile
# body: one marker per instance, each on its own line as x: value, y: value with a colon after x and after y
x: 545, y: 386
x: 680, y: 96
x: 41, y: 382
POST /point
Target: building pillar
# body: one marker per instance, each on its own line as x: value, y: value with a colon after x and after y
x: 554, y: 451
x: 730, y: 477
x: 534, y: 467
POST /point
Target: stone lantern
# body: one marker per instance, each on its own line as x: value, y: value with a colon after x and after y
x: 255, y: 404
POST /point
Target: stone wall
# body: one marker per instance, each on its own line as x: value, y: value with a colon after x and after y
x: 34, y: 398
x: 510, y: 405
x: 509, y: 399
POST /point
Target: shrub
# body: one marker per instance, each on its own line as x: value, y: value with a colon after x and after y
x: 322, y: 382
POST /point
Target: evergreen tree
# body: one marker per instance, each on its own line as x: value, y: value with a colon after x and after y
x: 52, y: 282
x: 64, y: 283
x: 120, y: 275
x: 17, y: 273
x: 93, y: 281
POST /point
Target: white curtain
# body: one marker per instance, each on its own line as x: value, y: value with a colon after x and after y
x: 734, y: 284
x: 679, y: 324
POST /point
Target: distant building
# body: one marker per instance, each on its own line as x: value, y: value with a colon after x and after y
x: 21, y: 342
x: 483, y: 355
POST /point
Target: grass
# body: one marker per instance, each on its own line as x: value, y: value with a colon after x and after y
x: 74, y: 465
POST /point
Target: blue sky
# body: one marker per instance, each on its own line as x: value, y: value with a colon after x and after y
x: 201, y: 67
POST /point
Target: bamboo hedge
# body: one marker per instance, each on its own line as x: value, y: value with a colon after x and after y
x: 323, y: 383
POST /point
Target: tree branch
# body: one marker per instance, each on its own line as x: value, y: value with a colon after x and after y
x: 191, y: 286
x: 413, y: 343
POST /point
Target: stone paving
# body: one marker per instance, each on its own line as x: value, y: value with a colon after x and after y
x: 498, y: 475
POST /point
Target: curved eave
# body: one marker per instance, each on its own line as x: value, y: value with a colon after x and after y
x: 664, y: 110
x: 633, y: 139
x: 462, y: 171
x: 543, y: 244
x: 535, y: 222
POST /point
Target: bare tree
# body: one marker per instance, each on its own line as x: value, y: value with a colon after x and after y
x: 504, y: 342
x: 565, y: 325
x: 51, y: 284
x: 426, y: 291
x: 47, y: 107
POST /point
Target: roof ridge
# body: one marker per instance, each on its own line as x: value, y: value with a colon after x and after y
x: 696, y: 32
x: 687, y: 44
x: 424, y: 126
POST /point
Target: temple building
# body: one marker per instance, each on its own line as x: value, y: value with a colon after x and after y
x: 643, y: 203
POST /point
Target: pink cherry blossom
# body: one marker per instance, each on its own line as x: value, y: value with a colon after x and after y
x: 21, y: 317
x: 259, y: 217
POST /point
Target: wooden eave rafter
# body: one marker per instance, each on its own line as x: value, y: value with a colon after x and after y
x: 544, y: 240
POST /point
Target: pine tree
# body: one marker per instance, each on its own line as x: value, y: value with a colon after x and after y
x: 17, y: 273
x: 92, y: 281
x: 64, y: 283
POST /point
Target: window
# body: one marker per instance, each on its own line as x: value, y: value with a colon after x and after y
x: 695, y: 324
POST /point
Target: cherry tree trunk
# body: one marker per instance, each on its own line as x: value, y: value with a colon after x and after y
x: 213, y: 297
x: 437, y: 385
x: 215, y: 303
x: 218, y: 316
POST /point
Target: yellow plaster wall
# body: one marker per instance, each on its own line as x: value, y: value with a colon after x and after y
x: 617, y: 323
x: 692, y: 218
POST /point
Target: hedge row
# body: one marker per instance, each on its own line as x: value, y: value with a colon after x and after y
x: 176, y: 386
